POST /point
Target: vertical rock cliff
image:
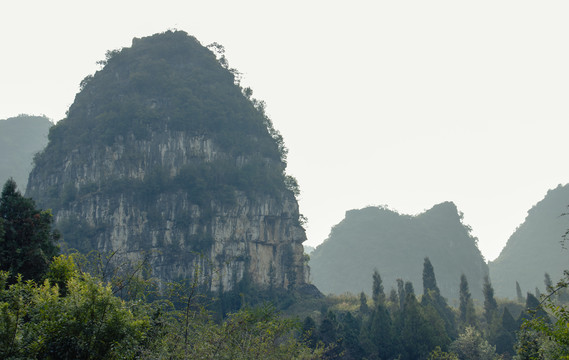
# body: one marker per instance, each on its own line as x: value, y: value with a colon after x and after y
x: 163, y: 155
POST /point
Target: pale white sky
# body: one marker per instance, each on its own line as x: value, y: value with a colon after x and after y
x: 403, y: 103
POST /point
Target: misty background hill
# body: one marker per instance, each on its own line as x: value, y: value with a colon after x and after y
x: 534, y: 248
x: 396, y: 245
x: 21, y: 137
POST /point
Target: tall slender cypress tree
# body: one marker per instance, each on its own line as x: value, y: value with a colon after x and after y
x: 467, y: 312
x: 378, y: 295
x: 519, y: 293
x: 490, y: 304
x: 429, y: 280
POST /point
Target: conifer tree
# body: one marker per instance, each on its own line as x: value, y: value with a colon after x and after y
x: 429, y: 280
x: 503, y: 333
x: 533, y: 309
x: 377, y: 291
x: 466, y: 306
x: 421, y: 330
x: 393, y: 300
x: 27, y: 242
x: 432, y: 297
x: 548, y: 283
x: 364, y: 308
x: 490, y: 304
x: 349, y: 331
x: 309, y: 331
x: 409, y: 290
x: 380, y: 332
x: 519, y: 293
x: 401, y: 293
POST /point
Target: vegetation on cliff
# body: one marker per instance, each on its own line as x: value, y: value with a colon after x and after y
x: 164, y: 152
x: 170, y: 82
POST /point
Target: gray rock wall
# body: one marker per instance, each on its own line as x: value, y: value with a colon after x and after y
x: 258, y: 236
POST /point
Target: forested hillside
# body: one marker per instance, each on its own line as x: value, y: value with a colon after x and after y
x: 164, y: 156
x: 21, y: 137
x: 535, y: 248
x: 395, y: 245
x: 169, y: 185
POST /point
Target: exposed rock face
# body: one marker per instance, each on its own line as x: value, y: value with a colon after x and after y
x: 396, y: 245
x: 175, y: 192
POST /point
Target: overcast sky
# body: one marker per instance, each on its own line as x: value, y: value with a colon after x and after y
x: 399, y: 103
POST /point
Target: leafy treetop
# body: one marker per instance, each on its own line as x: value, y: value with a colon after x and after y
x: 27, y: 241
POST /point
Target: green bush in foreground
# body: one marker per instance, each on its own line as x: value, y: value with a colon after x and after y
x: 74, y: 315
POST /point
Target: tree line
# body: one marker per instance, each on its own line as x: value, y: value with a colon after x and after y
x: 78, y: 306
x: 404, y: 325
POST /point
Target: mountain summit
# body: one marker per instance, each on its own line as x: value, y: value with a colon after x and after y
x: 163, y: 155
x: 535, y: 248
x: 396, y: 245
x: 21, y: 137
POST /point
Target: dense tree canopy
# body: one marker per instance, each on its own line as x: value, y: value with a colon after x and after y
x: 27, y: 240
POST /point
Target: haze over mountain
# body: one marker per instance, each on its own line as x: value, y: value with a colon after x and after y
x: 164, y: 155
x: 21, y: 137
x: 396, y: 245
x: 535, y: 247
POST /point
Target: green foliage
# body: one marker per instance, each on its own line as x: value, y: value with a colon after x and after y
x: 61, y: 270
x: 170, y: 82
x: 421, y: 330
x: 377, y: 335
x: 429, y: 280
x: 28, y: 242
x: 490, y: 304
x: 377, y: 293
x: 88, y: 321
x: 467, y: 314
x: 470, y: 345
x: 541, y: 337
x: 439, y: 354
x: 433, y: 298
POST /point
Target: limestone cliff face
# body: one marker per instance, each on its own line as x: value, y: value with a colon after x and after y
x: 181, y: 197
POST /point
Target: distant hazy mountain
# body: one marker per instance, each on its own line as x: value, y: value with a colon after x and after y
x: 534, y: 248
x: 308, y: 249
x: 396, y: 245
x: 20, y: 138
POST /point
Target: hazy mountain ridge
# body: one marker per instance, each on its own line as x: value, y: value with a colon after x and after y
x: 396, y: 245
x: 535, y: 247
x: 21, y: 137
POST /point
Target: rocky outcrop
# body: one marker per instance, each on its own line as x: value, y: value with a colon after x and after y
x: 190, y: 190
